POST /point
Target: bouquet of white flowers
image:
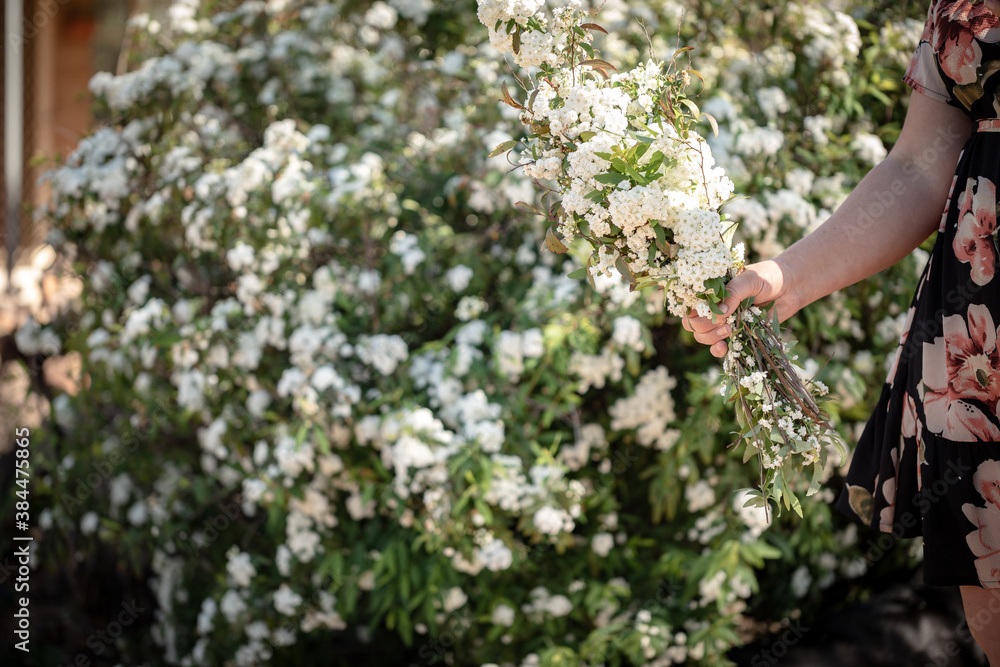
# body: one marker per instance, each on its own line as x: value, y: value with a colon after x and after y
x: 635, y: 180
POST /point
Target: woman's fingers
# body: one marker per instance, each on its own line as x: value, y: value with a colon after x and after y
x: 696, y: 324
x: 761, y: 283
x: 716, y: 334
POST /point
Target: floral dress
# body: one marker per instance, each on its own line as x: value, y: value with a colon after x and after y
x: 928, y: 461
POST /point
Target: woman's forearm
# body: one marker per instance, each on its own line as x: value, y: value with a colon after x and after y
x: 893, y: 210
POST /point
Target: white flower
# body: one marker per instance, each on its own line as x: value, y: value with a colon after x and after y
x: 558, y: 605
x: 491, y: 11
x: 628, y: 333
x: 454, y: 598
x: 801, y: 581
x: 868, y: 147
x: 594, y: 370
x: 650, y: 409
x: 240, y: 568
x: 89, y: 523
x: 286, y: 601
x: 470, y: 307
x: 138, y: 513
x: 495, y: 555
x: 358, y: 508
x: 205, y: 616
x: 458, y: 277
x: 240, y: 256
x: 381, y: 16
x: 232, y: 606
x: 257, y: 402
x: 602, y: 543
x: 283, y: 560
x: 366, y: 581
x: 699, y: 496
x: 773, y: 102
x: 711, y: 588
x: 552, y: 520
x: 383, y: 352
x: 817, y: 127
x: 32, y: 339
x: 509, y: 358
x: 405, y: 246
x: 503, y: 615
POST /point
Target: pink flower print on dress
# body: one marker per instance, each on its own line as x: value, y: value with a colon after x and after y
x: 911, y: 428
x: 977, y: 226
x: 888, y: 513
x: 985, y: 540
x: 957, y: 26
x: 962, y: 364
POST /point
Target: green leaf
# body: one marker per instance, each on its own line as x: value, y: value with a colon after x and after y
x: 525, y: 207
x: 817, y: 477
x: 554, y: 243
x: 504, y: 147
x: 655, y: 161
x: 599, y: 64
x: 626, y: 168
x: 661, y: 238
x: 579, y: 273
x: 322, y: 440
x: 712, y: 122
x: 695, y: 111
x: 613, y: 178
x: 626, y: 272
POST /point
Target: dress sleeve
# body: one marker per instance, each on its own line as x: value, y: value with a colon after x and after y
x: 923, y: 74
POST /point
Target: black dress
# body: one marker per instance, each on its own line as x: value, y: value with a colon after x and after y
x: 928, y: 461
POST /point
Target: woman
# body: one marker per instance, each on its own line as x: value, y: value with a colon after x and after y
x: 928, y: 462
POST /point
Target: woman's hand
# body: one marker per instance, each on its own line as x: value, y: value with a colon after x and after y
x: 766, y: 282
x: 894, y: 208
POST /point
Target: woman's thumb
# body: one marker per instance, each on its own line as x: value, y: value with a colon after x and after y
x: 747, y: 284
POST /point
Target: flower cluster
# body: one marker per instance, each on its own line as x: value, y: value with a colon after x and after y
x: 638, y: 183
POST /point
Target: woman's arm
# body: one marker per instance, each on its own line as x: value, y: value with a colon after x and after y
x: 893, y: 209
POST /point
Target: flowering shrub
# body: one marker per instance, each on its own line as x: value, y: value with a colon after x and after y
x: 335, y: 393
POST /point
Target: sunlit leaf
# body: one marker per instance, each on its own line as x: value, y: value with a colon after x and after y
x: 553, y: 242
x: 503, y: 148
